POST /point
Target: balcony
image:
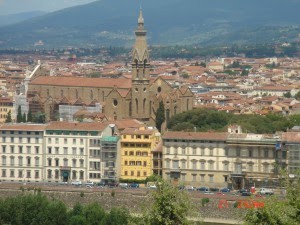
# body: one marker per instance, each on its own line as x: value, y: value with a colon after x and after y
x: 65, y: 167
x: 238, y: 173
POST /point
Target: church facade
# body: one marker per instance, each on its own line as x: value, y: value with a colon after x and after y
x: 136, y: 98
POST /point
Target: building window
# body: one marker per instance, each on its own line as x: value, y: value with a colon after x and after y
x: 12, y: 160
x: 211, y: 178
x: 3, y: 173
x: 81, y: 162
x: 194, y: 165
x: 266, y: 153
x: 37, y: 150
x: 65, y: 151
x: 81, y: 175
x: 49, y: 150
x: 167, y: 164
x: 183, y: 151
x: 56, y: 174
x: 81, y: 141
x: 176, y: 164
x: 250, y: 167
x: 65, y: 162
x: 12, y: 149
x: 49, y: 162
x: 211, y: 166
x: 183, y: 164
x: 65, y: 141
x: 57, y: 150
x: 28, y: 174
x: 49, y: 174
x: 202, y: 177
x: 266, y: 168
x: 56, y: 141
x: 138, y: 174
x: 74, y: 151
x: 202, y: 165
x: 211, y: 152
x: 20, y: 161
x: 167, y: 150
x: 194, y: 177
x: 28, y: 148
x: 81, y: 151
x: 49, y: 141
x: 194, y: 151
x: 37, y: 161
x: 203, y: 151
x: 175, y: 151
x: 74, y: 141
x: 21, y: 149
x: 20, y: 173
x: 225, y: 178
x: 36, y: 174
x: 28, y: 140
x: 28, y: 161
x: 226, y: 166
x: 3, y: 160
x: 126, y: 173
x: 3, y: 149
x: 74, y: 175
x: 12, y: 173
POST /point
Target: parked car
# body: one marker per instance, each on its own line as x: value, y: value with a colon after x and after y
x: 246, y: 193
x: 76, y: 182
x: 152, y: 186
x: 202, y: 189
x: 214, y: 189
x: 123, y: 185
x: 134, y: 185
x: 89, y: 183
x: 266, y: 191
x: 189, y: 188
x: 225, y: 190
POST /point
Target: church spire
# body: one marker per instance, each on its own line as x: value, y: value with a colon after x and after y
x: 140, y: 54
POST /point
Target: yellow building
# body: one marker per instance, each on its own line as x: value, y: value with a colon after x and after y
x: 136, y: 152
x: 6, y: 105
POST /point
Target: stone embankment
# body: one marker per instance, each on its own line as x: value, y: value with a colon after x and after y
x: 133, y: 199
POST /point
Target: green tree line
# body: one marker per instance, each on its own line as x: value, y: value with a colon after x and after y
x: 212, y: 120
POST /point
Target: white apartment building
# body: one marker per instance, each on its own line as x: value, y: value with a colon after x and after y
x: 54, y: 152
x: 21, y: 152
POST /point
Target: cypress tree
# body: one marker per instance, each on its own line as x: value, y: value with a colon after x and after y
x: 29, y: 116
x: 19, y: 115
x: 160, y: 115
x: 24, y: 118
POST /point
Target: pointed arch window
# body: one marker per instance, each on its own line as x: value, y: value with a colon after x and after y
x: 137, y: 105
x: 130, y: 109
x: 76, y: 93
x: 144, y: 105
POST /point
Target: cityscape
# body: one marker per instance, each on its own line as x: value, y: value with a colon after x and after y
x: 152, y: 134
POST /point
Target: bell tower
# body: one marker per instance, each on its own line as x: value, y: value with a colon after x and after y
x: 140, y: 104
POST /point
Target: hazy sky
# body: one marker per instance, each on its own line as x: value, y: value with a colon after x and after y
x: 16, y: 6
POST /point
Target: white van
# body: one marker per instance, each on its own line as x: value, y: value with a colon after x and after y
x: 123, y: 185
x: 266, y: 191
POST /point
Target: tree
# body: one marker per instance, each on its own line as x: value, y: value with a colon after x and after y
x: 170, y: 206
x: 160, y: 116
x: 8, y: 118
x: 24, y: 118
x: 297, y: 96
x: 19, y: 115
x: 287, y: 95
x: 29, y: 116
x: 203, y: 64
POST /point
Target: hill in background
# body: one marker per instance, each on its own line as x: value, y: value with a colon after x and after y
x: 169, y: 22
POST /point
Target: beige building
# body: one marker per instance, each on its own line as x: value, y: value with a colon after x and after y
x: 135, y: 98
x: 219, y: 159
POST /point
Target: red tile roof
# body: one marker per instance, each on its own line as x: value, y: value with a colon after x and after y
x: 82, y: 82
x: 195, y: 135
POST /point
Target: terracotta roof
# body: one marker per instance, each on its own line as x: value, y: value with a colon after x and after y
x: 93, y: 126
x: 138, y: 131
x: 23, y: 127
x: 195, y: 135
x: 125, y: 123
x: 291, y: 137
x: 82, y: 82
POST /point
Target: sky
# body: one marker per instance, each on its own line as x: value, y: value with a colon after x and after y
x: 17, y: 6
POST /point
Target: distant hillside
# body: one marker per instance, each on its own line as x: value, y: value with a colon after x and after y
x: 169, y: 22
x: 19, y: 17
